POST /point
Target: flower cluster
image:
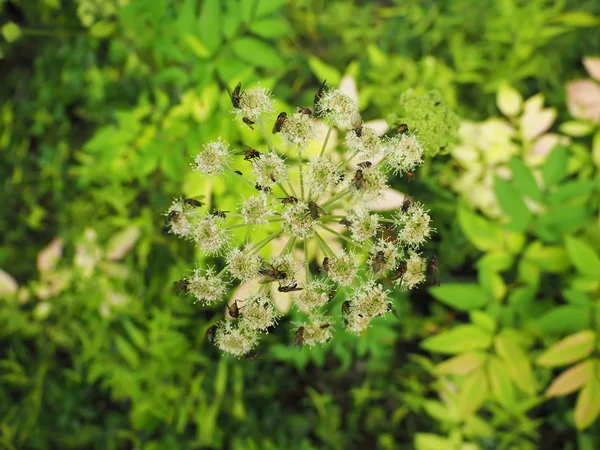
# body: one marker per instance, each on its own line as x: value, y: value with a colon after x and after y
x: 319, y: 207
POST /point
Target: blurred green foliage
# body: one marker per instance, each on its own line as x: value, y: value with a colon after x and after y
x: 102, y: 104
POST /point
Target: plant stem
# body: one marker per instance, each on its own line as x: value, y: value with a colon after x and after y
x: 326, y: 140
x: 347, y: 239
x: 265, y: 241
x: 301, y: 175
x: 261, y: 125
x: 306, y: 267
x: 336, y: 197
x: 324, y: 247
x: 283, y: 189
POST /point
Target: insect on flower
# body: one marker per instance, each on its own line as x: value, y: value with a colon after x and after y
x: 219, y: 213
x: 239, y: 172
x: 401, y: 128
x: 248, y: 122
x: 306, y: 111
x: 378, y: 261
x: 173, y: 215
x: 320, y: 93
x: 265, y: 189
x: 399, y: 272
x: 357, y: 126
x: 236, y: 95
x: 290, y: 288
x: 406, y: 204
x: 210, y: 334
x: 281, y: 118
x: 433, y: 270
x: 315, y: 211
x: 359, y: 179
x: 365, y: 164
x: 181, y: 286
x: 271, y: 274
x: 288, y: 200
x: 345, y: 222
x: 346, y: 311
x: 298, y: 338
x: 326, y: 264
x: 234, y: 310
x: 331, y: 294
x: 195, y: 201
x: 250, y: 154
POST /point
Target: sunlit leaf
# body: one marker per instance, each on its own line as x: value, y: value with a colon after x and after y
x: 588, y: 404
x: 571, y: 380
x: 569, y: 350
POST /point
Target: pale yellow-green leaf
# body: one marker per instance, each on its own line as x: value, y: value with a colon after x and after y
x: 197, y: 46
x: 571, y: 349
x: 459, y: 339
x: 596, y: 149
x: 472, y: 394
x: 483, y: 320
x: 485, y: 235
x: 588, y: 403
x: 428, y: 441
x: 516, y: 362
x: 324, y: 71
x: 11, y: 32
x: 576, y: 128
x: 592, y: 65
x: 571, y: 379
x: 121, y: 243
x: 509, y: 100
x: 500, y: 383
x: 103, y: 29
x: 462, y: 364
x: 8, y: 284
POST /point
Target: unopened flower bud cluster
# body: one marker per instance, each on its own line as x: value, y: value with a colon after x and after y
x: 318, y: 197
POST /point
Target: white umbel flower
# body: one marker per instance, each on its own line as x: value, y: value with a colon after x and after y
x: 256, y: 210
x: 316, y: 294
x: 213, y: 159
x: 235, y: 340
x: 208, y: 288
x: 323, y: 174
x: 209, y: 234
x: 404, y: 153
x: 269, y: 169
x: 366, y: 142
x: 338, y: 108
x: 363, y: 226
x: 242, y: 265
x: 371, y: 187
x: 258, y: 312
x: 368, y: 301
x: 342, y: 268
x: 414, y: 225
x: 298, y: 130
x: 255, y: 103
x: 297, y: 221
x: 415, y: 271
x: 317, y: 330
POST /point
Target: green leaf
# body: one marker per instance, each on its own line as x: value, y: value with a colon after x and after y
x: 483, y: 234
x: 564, y: 319
x: 462, y: 364
x: 210, y: 25
x: 571, y: 379
x: 576, y: 128
x: 11, y: 32
x: 324, y: 71
x: 497, y: 261
x: 572, y: 190
x: 197, y: 46
x: 483, y: 320
x: 472, y: 394
x: 555, y: 166
x: 516, y: 361
x: 270, y: 28
x: 500, y: 384
x: 460, y: 339
x: 127, y: 352
x: 577, y: 19
x: 428, y: 441
x: 549, y: 258
x: 463, y: 297
x: 524, y: 180
x: 103, y: 29
x: 512, y: 203
x: 266, y: 7
x: 257, y: 53
x: 588, y: 404
x: 585, y: 260
x: 576, y: 297
x: 569, y: 350
x: 564, y: 219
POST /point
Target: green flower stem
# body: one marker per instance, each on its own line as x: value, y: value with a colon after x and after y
x: 288, y: 246
x: 265, y: 241
x: 336, y: 197
x: 283, y: 189
x: 324, y: 247
x: 325, y: 142
x: 347, y: 239
x: 306, y: 267
x: 347, y: 161
x: 291, y: 186
x: 301, y: 175
x: 261, y: 125
x: 241, y: 177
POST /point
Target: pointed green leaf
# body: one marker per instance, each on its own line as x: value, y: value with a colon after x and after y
x: 571, y: 349
x: 524, y: 180
x: 571, y: 380
x: 500, y: 384
x: 512, y: 203
x: 483, y: 234
x: 324, y: 71
x: 472, y: 394
x: 564, y: 319
x: 516, y: 361
x: 555, y: 166
x: 458, y: 340
x: 583, y: 257
x: 588, y: 403
x: 462, y: 364
x: 463, y: 297
x: 257, y: 53
x: 210, y: 25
